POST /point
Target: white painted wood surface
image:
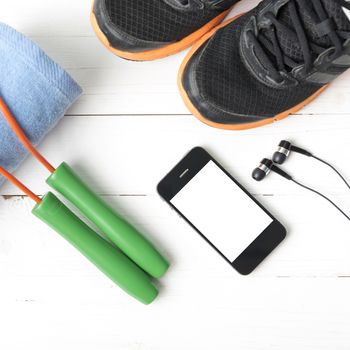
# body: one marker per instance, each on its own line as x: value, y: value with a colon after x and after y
x: 122, y: 136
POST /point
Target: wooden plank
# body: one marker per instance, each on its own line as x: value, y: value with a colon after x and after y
x: 128, y: 156
x: 116, y: 86
x: 281, y: 313
x: 317, y: 244
x: 52, y: 295
x: 121, y: 155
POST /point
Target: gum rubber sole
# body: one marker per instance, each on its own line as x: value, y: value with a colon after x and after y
x: 246, y: 126
x: 160, y: 52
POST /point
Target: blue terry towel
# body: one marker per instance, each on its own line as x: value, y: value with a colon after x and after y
x: 37, y: 91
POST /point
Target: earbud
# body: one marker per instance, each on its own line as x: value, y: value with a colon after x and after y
x: 262, y: 170
x: 265, y: 167
x: 284, y: 150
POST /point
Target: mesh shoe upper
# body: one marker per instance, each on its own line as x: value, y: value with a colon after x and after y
x: 157, y: 20
x: 224, y: 90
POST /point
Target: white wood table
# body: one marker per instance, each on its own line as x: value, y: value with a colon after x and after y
x: 127, y: 130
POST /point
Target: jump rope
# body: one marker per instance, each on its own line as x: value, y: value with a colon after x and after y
x: 130, y: 261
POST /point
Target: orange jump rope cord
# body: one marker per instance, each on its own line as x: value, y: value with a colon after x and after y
x: 19, y: 184
x: 22, y: 137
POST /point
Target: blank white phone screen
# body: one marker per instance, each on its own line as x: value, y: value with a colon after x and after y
x: 221, y: 211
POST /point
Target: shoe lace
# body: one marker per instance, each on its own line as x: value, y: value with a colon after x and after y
x: 205, y: 2
x: 268, y: 44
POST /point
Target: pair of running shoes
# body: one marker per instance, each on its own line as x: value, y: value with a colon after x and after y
x: 249, y: 71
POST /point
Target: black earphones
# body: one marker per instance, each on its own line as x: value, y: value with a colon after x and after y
x: 284, y: 150
x: 265, y: 167
x: 285, y: 147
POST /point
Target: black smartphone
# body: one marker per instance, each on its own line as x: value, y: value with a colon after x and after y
x: 221, y: 210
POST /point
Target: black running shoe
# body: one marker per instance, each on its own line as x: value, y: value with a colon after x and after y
x: 149, y: 29
x: 267, y: 63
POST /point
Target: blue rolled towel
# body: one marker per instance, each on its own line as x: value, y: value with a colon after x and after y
x: 37, y: 91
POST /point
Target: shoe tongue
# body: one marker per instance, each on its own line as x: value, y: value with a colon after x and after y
x: 335, y: 10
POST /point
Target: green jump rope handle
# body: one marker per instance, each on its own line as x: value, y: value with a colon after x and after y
x: 109, y: 259
x: 118, y: 230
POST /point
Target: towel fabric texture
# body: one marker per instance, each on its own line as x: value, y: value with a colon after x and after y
x: 37, y: 91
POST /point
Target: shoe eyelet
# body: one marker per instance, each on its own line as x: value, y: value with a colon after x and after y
x: 331, y: 55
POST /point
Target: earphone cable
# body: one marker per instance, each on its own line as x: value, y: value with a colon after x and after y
x: 22, y: 136
x: 322, y: 195
x: 333, y: 168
